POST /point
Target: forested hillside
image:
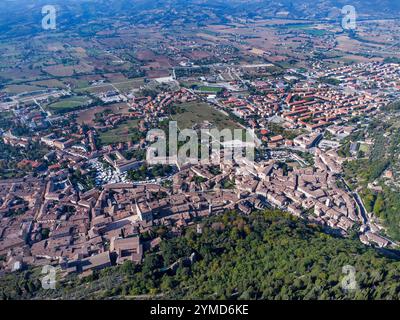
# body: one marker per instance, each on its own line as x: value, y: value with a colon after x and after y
x: 372, y: 167
x: 265, y: 256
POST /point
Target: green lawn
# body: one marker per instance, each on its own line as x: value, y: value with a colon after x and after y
x: 316, y: 32
x: 209, y: 89
x: 196, y: 113
x: 81, y: 84
x: 122, y: 133
x: 364, y: 147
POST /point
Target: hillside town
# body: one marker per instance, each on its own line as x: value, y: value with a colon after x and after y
x: 85, y: 205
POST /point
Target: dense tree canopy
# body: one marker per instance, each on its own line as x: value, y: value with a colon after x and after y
x: 264, y: 256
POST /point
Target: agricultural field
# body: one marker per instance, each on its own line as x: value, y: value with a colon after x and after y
x: 18, y: 89
x: 88, y: 116
x: 364, y: 148
x: 53, y: 83
x: 129, y: 85
x: 98, y: 89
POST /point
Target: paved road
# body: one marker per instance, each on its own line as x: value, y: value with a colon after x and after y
x: 363, y: 211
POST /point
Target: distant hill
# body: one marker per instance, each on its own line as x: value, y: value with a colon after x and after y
x: 320, y: 8
x: 23, y: 17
